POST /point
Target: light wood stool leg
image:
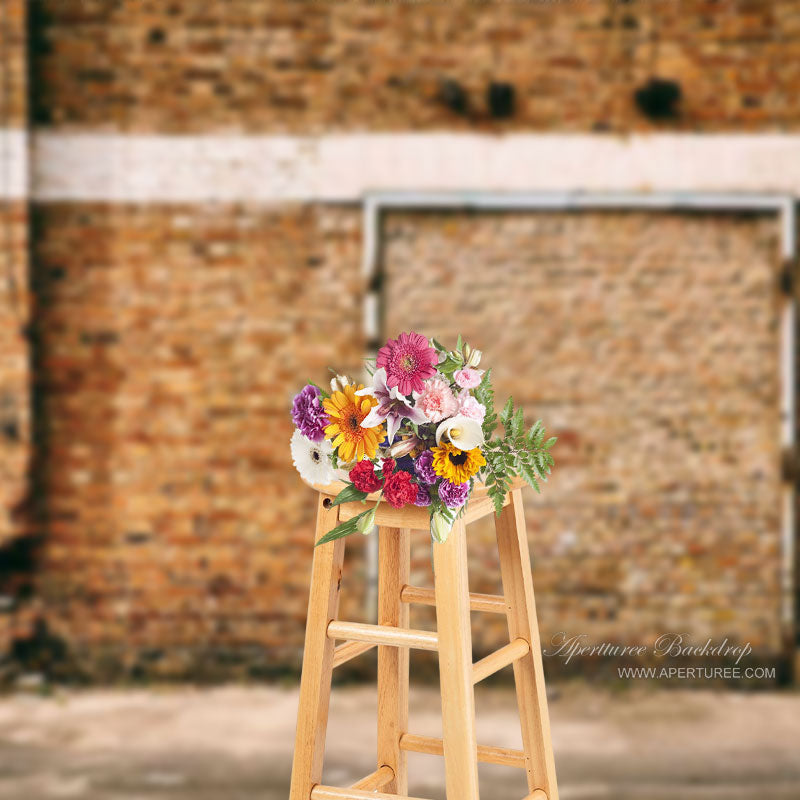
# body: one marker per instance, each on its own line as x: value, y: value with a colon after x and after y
x: 512, y: 543
x: 455, y: 665
x: 315, y: 682
x: 393, y: 574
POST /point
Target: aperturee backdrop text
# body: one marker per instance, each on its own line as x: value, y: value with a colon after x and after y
x: 421, y: 434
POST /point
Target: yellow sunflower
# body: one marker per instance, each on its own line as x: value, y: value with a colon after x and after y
x: 346, y: 412
x: 457, y: 466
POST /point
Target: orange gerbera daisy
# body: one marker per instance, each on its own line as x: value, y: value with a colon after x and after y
x: 346, y: 412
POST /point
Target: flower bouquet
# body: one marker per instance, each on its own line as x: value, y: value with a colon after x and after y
x: 422, y: 433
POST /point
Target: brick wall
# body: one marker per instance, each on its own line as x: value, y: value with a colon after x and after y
x: 170, y: 341
x: 14, y: 367
x: 13, y: 56
x: 14, y: 404
x: 319, y: 66
x: 650, y: 344
x: 171, y: 536
x: 14, y: 314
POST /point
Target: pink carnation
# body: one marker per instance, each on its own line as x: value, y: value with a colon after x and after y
x: 437, y: 400
x: 468, y: 406
x: 468, y: 378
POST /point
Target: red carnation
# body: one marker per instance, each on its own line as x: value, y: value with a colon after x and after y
x: 364, y: 478
x: 399, y: 491
x: 388, y: 467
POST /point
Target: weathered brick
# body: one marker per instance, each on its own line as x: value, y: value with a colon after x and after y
x: 325, y: 66
x: 649, y: 343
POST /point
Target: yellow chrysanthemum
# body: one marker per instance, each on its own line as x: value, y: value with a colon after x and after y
x: 346, y: 412
x: 457, y: 466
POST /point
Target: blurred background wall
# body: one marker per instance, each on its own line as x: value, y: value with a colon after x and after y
x: 182, y: 213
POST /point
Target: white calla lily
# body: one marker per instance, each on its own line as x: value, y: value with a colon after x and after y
x: 463, y: 432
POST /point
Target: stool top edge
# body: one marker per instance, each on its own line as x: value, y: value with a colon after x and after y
x: 332, y: 489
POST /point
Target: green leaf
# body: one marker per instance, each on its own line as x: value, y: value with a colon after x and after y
x: 348, y: 495
x: 485, y: 396
x: 527, y: 471
x: 508, y: 410
x: 460, y: 344
x: 550, y: 442
x: 517, y: 423
x: 449, y: 366
x: 343, y: 529
x: 498, y: 495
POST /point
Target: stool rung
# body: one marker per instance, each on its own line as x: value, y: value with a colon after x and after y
x: 375, y: 780
x: 320, y: 792
x: 506, y: 655
x: 492, y: 603
x: 383, y: 634
x: 488, y: 755
x: 537, y: 794
x: 349, y: 650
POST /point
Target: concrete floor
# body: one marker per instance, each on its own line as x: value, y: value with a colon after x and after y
x: 235, y: 743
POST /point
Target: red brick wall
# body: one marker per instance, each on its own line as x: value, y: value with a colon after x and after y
x: 322, y: 66
x: 14, y: 61
x: 14, y: 366
x: 650, y: 343
x: 171, y: 340
x: 168, y: 339
x: 14, y: 374
x: 14, y: 314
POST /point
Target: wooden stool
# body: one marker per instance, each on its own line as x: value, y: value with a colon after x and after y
x: 453, y: 640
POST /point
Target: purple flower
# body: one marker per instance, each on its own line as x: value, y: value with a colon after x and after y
x: 423, y: 466
x: 392, y: 407
x: 308, y: 414
x: 423, y: 498
x: 454, y: 495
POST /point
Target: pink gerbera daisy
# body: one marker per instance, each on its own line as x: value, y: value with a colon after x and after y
x: 408, y: 361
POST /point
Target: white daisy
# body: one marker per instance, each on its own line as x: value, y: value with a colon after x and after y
x: 312, y: 459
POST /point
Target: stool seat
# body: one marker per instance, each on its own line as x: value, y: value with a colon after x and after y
x: 452, y: 640
x: 479, y: 488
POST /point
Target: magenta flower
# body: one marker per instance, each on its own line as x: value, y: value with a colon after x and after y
x: 392, y: 407
x: 408, y: 361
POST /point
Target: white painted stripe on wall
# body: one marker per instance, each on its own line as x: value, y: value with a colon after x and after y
x: 13, y: 163
x: 343, y: 168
